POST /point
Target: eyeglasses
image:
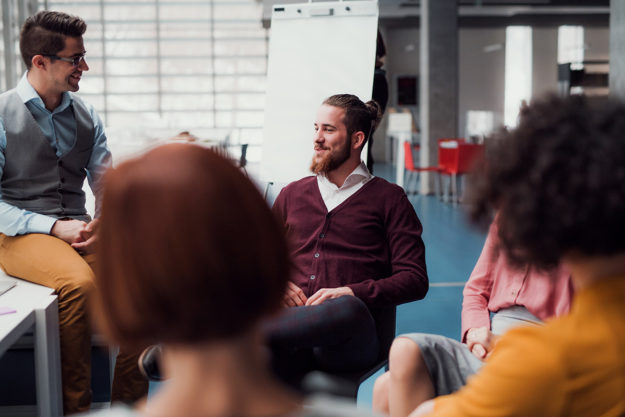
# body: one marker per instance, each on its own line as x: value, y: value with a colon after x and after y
x: 75, y: 61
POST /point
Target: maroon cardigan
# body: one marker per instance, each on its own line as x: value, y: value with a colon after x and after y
x: 371, y: 242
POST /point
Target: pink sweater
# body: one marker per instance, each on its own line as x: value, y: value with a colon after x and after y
x: 371, y: 242
x: 494, y: 285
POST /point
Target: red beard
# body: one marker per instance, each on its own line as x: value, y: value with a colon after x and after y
x: 331, y: 160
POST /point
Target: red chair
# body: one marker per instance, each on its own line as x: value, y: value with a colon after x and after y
x: 447, y: 150
x: 456, y: 160
x: 412, y: 170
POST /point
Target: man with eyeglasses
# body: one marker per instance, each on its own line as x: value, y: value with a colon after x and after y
x: 50, y: 140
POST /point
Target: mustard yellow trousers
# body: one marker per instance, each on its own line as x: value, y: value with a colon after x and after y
x: 49, y: 261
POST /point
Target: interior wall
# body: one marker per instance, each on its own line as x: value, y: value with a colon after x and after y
x: 402, y: 58
x: 481, y: 72
x: 482, y: 68
x: 596, y: 44
x: 545, y: 60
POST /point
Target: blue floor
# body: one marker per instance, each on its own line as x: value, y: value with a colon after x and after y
x: 451, y: 250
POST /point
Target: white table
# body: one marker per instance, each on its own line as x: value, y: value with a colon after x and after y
x: 36, y: 306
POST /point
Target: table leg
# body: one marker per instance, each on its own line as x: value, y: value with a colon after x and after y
x: 48, y: 359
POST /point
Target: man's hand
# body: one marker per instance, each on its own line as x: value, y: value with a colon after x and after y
x: 88, y: 237
x: 327, y: 294
x: 71, y: 231
x: 481, y: 341
x: 294, y: 296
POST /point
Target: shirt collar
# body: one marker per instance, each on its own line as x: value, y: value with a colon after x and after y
x: 360, y: 173
x: 28, y: 94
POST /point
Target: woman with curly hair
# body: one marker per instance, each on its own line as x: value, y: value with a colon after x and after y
x: 557, y: 182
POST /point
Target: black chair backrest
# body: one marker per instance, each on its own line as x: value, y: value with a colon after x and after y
x: 385, y: 320
x: 345, y: 384
x: 243, y: 158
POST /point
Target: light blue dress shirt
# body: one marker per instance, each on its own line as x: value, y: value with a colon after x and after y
x: 59, y: 128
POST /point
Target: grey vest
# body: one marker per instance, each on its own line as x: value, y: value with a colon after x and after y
x: 34, y: 178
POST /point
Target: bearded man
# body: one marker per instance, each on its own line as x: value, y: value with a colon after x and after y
x: 356, y: 247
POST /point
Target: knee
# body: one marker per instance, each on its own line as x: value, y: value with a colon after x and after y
x: 380, y: 393
x: 348, y: 314
x: 404, y: 358
x: 353, y: 305
x: 353, y: 309
x: 78, y: 284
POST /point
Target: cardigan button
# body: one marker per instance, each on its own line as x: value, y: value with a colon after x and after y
x: 312, y: 277
x: 321, y: 236
x: 317, y: 255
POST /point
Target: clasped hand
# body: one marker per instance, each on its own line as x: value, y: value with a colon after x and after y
x: 81, y: 235
x: 294, y: 295
x: 481, y: 341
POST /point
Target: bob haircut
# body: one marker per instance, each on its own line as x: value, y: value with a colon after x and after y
x: 557, y: 181
x: 189, y: 252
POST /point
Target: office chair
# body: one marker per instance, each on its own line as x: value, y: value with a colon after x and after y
x: 412, y: 170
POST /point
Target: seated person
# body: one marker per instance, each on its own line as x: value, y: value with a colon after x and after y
x: 356, y: 245
x: 556, y: 181
x: 423, y: 366
x: 50, y: 142
x: 192, y: 257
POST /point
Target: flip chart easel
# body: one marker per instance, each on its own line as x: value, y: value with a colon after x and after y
x: 316, y: 49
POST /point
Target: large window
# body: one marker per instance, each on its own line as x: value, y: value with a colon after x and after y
x: 571, y: 45
x: 159, y: 67
x: 12, y: 13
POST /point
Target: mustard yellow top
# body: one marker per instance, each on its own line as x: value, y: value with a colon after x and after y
x: 571, y: 366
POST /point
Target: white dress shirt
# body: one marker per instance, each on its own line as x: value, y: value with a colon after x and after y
x: 333, y: 195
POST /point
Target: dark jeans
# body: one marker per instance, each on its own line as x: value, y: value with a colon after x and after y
x: 336, y: 336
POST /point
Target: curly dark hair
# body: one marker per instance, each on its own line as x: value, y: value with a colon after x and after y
x: 557, y: 181
x: 359, y: 116
x: 44, y: 33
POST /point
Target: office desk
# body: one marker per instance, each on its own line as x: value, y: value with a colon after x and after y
x: 36, y: 308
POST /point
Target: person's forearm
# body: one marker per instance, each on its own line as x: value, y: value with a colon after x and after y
x: 409, y: 279
x: 402, y: 287
x: 15, y: 221
x: 477, y: 290
x: 474, y: 314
